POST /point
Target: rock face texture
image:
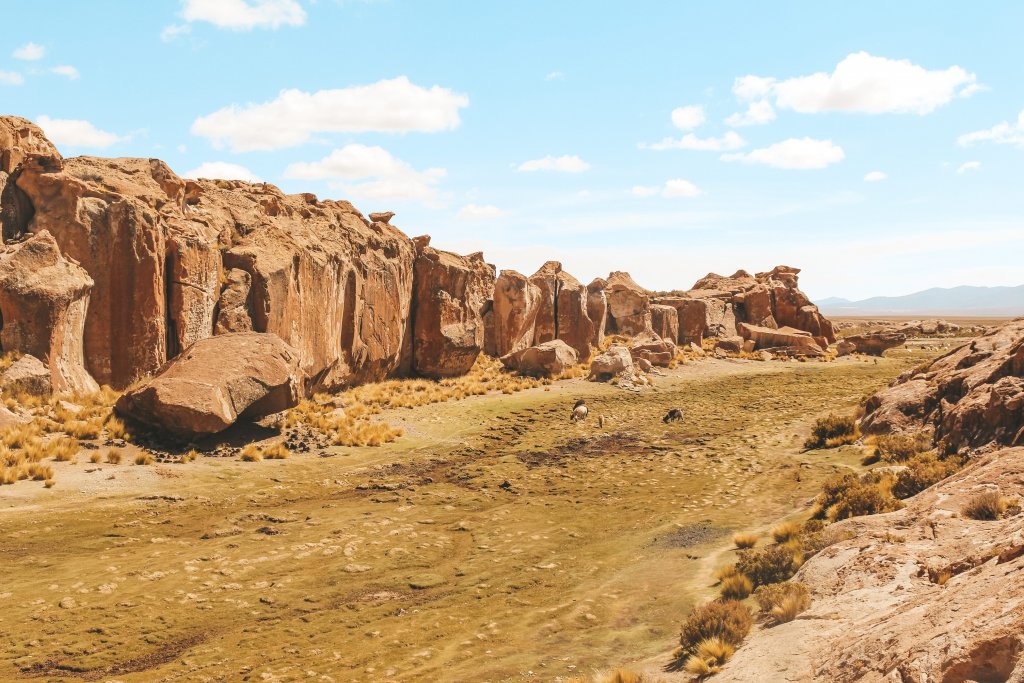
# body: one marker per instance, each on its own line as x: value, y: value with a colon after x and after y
x: 877, y: 616
x: 215, y: 382
x: 970, y: 397
x: 629, y: 311
x: 233, y: 305
x: 451, y: 296
x: 27, y: 375
x: 597, y: 309
x: 653, y: 349
x: 43, y: 303
x: 546, y: 281
x: 573, y: 324
x: 665, y: 322
x: 876, y: 343
x: 516, y: 304
x: 544, y: 360
x: 770, y: 338
x: 616, y: 360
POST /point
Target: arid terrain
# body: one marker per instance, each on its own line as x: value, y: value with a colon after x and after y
x: 496, y: 541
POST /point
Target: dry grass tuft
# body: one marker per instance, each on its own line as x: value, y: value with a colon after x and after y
x: 736, y: 587
x: 726, y: 620
x: 833, y: 431
x: 744, y: 541
x: 988, y: 506
x: 276, y: 452
x: 114, y: 456
x: 772, y: 564
x: 782, y: 602
x: 49, y: 483
x: 143, y: 459
x: 786, y: 531
x: 95, y: 457
x: 902, y: 447
x: 251, y: 453
x: 711, y: 654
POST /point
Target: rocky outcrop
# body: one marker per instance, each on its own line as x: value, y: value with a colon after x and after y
x: 451, y: 296
x: 653, y: 349
x: 21, y: 141
x: 43, y: 302
x: 876, y: 343
x: 878, y: 612
x: 27, y: 375
x: 516, y: 303
x: 573, y: 323
x: 597, y: 310
x: 768, y: 338
x: 544, y: 360
x: 665, y: 322
x: 217, y: 381
x: 546, y: 280
x: 971, y: 397
x: 233, y: 306
x: 629, y: 311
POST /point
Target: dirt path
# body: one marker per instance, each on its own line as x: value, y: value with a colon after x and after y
x: 495, y: 542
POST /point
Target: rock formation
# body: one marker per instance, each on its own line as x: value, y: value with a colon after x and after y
x: 234, y: 305
x: 516, y: 303
x: 546, y: 280
x: 43, y: 302
x: 665, y: 322
x: 597, y: 310
x: 544, y: 360
x: 629, y: 311
x: 876, y: 343
x: 970, y: 397
x: 771, y: 338
x: 615, y: 361
x: 451, y: 296
x: 217, y: 381
x: 573, y: 324
x: 27, y: 375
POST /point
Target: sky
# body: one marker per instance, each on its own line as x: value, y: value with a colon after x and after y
x: 879, y: 146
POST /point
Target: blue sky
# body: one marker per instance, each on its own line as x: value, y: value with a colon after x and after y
x: 879, y: 146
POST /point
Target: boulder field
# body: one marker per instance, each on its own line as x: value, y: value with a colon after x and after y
x: 112, y: 268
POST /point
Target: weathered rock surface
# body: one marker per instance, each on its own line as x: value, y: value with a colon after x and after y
x: 451, y: 296
x: 629, y: 311
x: 877, y: 616
x: 43, y: 302
x: 233, y: 307
x: 970, y: 397
x: 516, y: 304
x: 653, y: 349
x: 27, y: 375
x: 876, y: 343
x: 217, y: 381
x: 665, y: 322
x: 733, y: 344
x: 544, y: 360
x: 597, y: 310
x: 768, y: 338
x: 615, y: 361
x: 573, y: 323
x: 546, y: 280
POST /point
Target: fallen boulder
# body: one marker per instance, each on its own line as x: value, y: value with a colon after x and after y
x: 544, y: 360
x: 768, y: 338
x: 27, y: 375
x: 217, y: 381
x: 733, y: 344
x: 653, y: 349
x: 615, y: 361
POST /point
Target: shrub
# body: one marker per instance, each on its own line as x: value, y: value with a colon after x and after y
x: 95, y: 457
x: 143, y: 459
x: 251, y: 453
x: 848, y: 495
x: 722, y: 573
x: 923, y: 471
x: 781, y: 602
x: 832, y: 431
x: 116, y: 428
x: 114, y: 456
x: 81, y: 429
x: 744, y: 541
x: 63, y: 449
x: 736, y: 587
x: 985, y: 506
x: 768, y: 565
x: 709, y: 657
x: 786, y: 531
x: 726, y: 620
x: 276, y: 452
x: 902, y: 447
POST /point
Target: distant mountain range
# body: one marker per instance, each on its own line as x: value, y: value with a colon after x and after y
x: 965, y: 300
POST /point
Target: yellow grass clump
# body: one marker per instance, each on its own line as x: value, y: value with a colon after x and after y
x: 744, y: 541
x: 114, y: 456
x: 143, y: 459
x: 786, y: 531
x: 251, y: 453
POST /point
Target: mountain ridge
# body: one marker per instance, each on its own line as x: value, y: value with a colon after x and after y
x: 961, y: 300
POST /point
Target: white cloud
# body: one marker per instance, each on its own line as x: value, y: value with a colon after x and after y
x: 389, y: 106
x: 30, y: 52
x: 69, y: 72
x: 875, y: 177
x: 758, y: 113
x: 864, y: 83
x: 730, y: 141
x: 76, y: 133
x: 383, y: 176
x: 554, y: 76
x: 11, y: 78
x: 245, y: 15
x: 968, y: 166
x: 688, y: 118
x: 794, y: 153
x: 672, y: 188
x: 562, y: 164
x: 222, y: 170
x: 477, y: 212
x: 172, y: 31
x: 1004, y: 133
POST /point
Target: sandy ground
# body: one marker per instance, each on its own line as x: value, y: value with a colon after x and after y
x: 496, y: 541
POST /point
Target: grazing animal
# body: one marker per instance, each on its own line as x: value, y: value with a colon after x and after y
x: 674, y: 415
x: 579, y: 411
x: 600, y: 421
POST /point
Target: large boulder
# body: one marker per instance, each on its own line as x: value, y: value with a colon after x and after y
x: 971, y: 397
x: 546, y: 280
x: 516, y: 304
x: 573, y: 324
x: 615, y: 361
x: 450, y: 297
x: 876, y: 343
x: 653, y: 349
x: 665, y: 322
x: 629, y: 311
x: 597, y: 310
x: 544, y: 360
x: 27, y: 375
x: 769, y: 338
x: 217, y: 381
x: 43, y: 302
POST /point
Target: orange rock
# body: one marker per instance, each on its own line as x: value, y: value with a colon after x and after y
x: 769, y: 338
x: 572, y: 322
x: 665, y: 321
x: 233, y: 306
x: 543, y: 360
x: 597, y: 310
x: 629, y: 310
x: 43, y: 300
x: 516, y: 303
x: 546, y: 280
